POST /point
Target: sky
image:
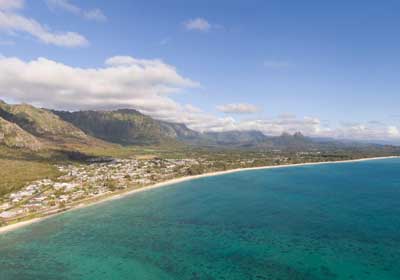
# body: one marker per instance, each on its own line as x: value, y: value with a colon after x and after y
x: 326, y: 69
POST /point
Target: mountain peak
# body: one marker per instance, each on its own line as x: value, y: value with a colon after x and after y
x: 128, y: 111
x: 298, y: 135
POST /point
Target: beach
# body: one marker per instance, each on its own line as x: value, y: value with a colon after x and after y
x: 110, y: 197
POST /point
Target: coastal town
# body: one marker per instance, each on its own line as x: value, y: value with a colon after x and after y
x: 86, y: 183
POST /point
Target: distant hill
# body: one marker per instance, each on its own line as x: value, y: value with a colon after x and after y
x: 254, y: 139
x: 297, y: 141
x: 234, y: 139
x: 126, y: 127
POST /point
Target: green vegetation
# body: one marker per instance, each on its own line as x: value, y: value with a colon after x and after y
x: 40, y: 122
x: 15, y: 173
x: 11, y: 135
x: 25, y: 126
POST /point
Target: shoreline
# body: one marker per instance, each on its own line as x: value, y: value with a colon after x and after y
x: 11, y: 227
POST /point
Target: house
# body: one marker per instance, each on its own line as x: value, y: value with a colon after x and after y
x: 8, y: 214
x: 66, y: 186
x: 5, y: 206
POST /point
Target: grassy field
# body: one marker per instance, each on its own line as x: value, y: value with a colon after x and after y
x: 19, y: 167
x: 15, y: 173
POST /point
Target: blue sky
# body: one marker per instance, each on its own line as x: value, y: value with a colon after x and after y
x: 324, y: 68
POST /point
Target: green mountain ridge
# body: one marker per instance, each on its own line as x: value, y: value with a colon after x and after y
x: 41, y: 123
x: 130, y: 127
x: 126, y: 127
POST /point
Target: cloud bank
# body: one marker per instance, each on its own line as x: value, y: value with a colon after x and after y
x: 275, y: 65
x: 238, y: 108
x: 125, y: 81
x: 197, y: 24
x: 11, y: 4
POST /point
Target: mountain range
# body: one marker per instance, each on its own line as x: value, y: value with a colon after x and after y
x: 126, y: 127
x: 130, y: 127
x: 28, y: 127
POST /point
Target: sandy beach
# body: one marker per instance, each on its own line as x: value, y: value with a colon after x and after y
x: 15, y: 226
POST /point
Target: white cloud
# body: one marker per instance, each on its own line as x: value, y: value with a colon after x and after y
x: 140, y: 84
x: 64, y: 5
x: 238, y: 108
x: 193, y: 109
x: 11, y: 4
x: 275, y: 64
x: 287, y: 116
x: 197, y: 24
x: 367, y: 131
x: 12, y: 23
x: 93, y: 14
x: 393, y: 131
x: 277, y: 126
x: 124, y: 60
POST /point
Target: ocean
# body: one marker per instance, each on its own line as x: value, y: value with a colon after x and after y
x: 330, y: 221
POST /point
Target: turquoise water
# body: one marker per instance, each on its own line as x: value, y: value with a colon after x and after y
x: 334, y: 221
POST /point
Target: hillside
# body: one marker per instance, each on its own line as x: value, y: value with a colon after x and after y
x: 11, y: 135
x: 41, y: 123
x: 126, y: 127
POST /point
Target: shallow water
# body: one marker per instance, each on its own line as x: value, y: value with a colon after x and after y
x: 334, y: 221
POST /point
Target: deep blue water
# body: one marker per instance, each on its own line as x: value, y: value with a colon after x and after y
x: 333, y: 221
